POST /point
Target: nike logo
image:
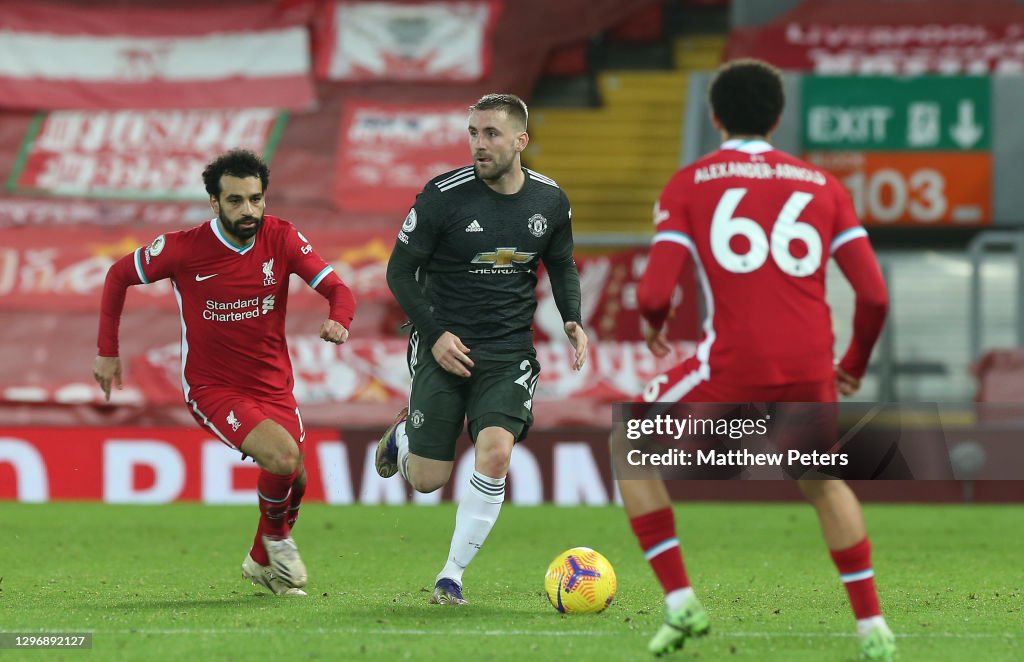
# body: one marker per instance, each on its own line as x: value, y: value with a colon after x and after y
x: 200, y: 279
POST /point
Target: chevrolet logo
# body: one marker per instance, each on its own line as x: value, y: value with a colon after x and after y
x: 503, y: 257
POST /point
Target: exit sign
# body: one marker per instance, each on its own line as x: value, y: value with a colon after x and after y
x: 927, y: 113
x: 911, y: 151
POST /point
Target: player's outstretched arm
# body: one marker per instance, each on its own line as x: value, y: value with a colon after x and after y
x: 107, y: 371
x: 579, y: 340
x: 402, y: 266
x: 857, y: 261
x: 654, y: 292
x: 107, y: 365
x: 448, y: 349
x: 343, y: 309
x: 565, y: 289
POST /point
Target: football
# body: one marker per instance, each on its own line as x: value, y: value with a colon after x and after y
x: 580, y: 581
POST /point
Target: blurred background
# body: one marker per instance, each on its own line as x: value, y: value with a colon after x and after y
x: 109, y: 110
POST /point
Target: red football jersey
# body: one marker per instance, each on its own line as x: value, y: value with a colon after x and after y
x: 760, y: 225
x: 232, y: 301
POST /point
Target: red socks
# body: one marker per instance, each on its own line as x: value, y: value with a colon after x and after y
x: 656, y: 533
x: 274, y: 492
x: 854, y: 564
x: 298, y: 491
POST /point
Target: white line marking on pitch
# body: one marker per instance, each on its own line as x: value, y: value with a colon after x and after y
x: 527, y: 633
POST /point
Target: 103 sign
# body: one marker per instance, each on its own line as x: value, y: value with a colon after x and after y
x: 893, y: 188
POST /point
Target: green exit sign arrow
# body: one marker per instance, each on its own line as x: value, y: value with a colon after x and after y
x: 966, y: 132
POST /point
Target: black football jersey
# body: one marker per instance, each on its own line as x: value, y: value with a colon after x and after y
x: 482, y: 249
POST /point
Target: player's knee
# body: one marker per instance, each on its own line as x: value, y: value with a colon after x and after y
x: 427, y: 484
x: 816, y: 491
x: 494, y: 461
x: 427, y: 476
x: 283, y: 459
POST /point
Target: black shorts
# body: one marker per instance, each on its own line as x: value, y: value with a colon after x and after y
x: 498, y: 393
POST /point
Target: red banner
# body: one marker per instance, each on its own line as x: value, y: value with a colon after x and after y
x: 163, y: 465
x: 57, y: 214
x: 375, y: 370
x: 363, y: 370
x: 890, y: 38
x: 387, y: 152
x: 153, y: 465
x: 62, y: 56
x: 63, y: 272
x: 51, y: 281
x: 155, y: 154
x: 415, y: 41
x: 41, y: 269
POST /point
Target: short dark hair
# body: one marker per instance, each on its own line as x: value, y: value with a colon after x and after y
x: 513, y: 106
x: 236, y: 163
x: 747, y: 97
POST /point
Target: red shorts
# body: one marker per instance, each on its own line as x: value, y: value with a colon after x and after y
x: 686, y: 383
x: 232, y: 415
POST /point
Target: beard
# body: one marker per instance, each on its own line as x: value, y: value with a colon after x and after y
x: 242, y: 233
x: 496, y: 170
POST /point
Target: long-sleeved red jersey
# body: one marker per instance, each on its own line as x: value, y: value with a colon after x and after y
x: 232, y: 301
x: 761, y: 225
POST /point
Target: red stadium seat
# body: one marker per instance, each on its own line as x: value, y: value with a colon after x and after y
x: 567, y: 60
x: 1000, y: 375
x: 644, y: 26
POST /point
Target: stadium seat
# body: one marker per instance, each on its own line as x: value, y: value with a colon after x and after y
x: 644, y: 26
x: 1000, y: 375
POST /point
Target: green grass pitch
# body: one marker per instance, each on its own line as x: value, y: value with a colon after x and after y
x: 163, y: 582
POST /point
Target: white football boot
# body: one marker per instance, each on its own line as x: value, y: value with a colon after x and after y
x: 285, y: 561
x: 262, y: 575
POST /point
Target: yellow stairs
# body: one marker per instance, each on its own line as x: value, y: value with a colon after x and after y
x: 613, y: 161
x: 702, y: 51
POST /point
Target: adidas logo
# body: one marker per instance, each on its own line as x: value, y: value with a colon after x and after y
x: 474, y: 227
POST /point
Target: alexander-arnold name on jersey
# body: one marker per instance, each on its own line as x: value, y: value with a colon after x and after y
x: 744, y: 169
x: 239, y: 309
